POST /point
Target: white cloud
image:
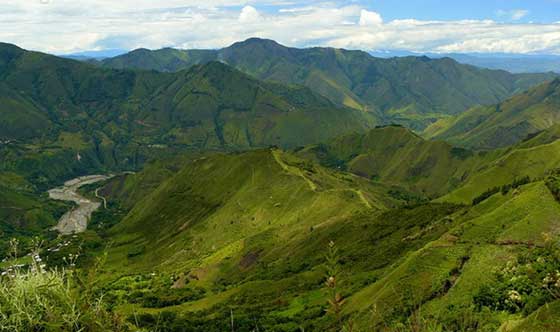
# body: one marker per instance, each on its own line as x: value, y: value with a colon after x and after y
x: 64, y: 26
x: 249, y: 14
x: 370, y: 18
x: 514, y: 15
x: 519, y: 14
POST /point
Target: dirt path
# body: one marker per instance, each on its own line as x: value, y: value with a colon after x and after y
x: 101, y: 197
x: 297, y: 172
x: 293, y: 170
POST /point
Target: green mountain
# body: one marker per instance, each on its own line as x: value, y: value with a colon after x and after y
x: 248, y: 235
x: 210, y: 106
x: 249, y: 231
x: 414, y: 91
x: 117, y: 118
x: 197, y: 239
x: 503, y: 124
x: 61, y: 118
x: 395, y: 155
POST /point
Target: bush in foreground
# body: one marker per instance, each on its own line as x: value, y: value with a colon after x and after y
x: 34, y: 298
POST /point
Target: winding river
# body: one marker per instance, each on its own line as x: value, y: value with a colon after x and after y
x: 76, y: 220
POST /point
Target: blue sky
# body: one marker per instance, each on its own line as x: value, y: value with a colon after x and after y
x: 473, y: 26
x: 542, y: 11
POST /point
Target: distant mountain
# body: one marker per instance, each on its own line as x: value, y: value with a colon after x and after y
x: 503, y: 124
x: 94, y: 55
x: 514, y: 63
x: 413, y: 91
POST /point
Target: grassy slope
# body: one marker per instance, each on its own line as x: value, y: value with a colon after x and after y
x: 443, y: 276
x: 544, y: 320
x: 434, y: 168
x: 396, y: 155
x: 252, y: 230
x: 515, y: 163
x: 248, y: 227
x: 400, y: 89
x: 206, y: 198
x: 503, y: 124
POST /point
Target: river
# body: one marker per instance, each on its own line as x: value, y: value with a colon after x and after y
x: 76, y: 220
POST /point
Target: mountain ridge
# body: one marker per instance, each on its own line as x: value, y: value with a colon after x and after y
x: 413, y: 91
x: 503, y: 124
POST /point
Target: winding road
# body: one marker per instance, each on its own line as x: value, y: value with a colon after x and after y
x: 76, y: 220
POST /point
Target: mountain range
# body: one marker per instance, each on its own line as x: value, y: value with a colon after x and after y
x: 414, y: 91
x: 514, y: 63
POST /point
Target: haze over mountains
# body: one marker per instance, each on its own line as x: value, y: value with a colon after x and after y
x: 514, y: 63
x: 283, y: 189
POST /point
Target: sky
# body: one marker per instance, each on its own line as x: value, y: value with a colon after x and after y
x: 440, y: 26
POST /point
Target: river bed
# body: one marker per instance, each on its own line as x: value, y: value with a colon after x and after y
x: 76, y: 220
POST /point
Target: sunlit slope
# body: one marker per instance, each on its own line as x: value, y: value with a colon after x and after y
x: 504, y: 124
x: 252, y: 230
x: 218, y: 202
x: 435, y: 168
x: 396, y: 155
x: 515, y: 163
x: 440, y: 280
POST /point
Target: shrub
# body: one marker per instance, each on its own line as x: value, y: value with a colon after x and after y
x: 526, y: 283
x: 553, y: 184
x: 518, y: 182
x: 37, y: 299
x: 485, y: 195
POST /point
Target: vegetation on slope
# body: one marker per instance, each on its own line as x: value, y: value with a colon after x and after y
x: 264, y: 239
x: 240, y: 228
x: 394, y: 154
x: 447, y: 281
x: 246, y: 235
x: 34, y: 297
x: 503, y: 124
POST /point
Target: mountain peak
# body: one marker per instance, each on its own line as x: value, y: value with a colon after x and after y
x: 257, y: 42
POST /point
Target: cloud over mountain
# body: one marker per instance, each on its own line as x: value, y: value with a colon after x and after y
x: 64, y: 26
